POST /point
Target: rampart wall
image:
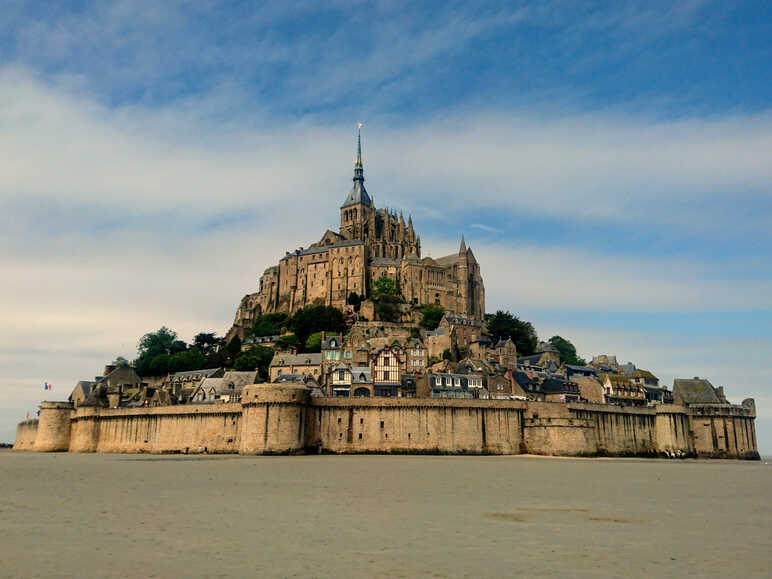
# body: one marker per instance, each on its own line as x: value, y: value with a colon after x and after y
x: 283, y: 419
x: 26, y: 432
x: 415, y: 425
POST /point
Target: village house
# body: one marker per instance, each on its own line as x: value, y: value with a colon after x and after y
x: 655, y: 394
x: 309, y: 364
x: 590, y: 389
x: 224, y: 389
x: 181, y: 385
x: 556, y: 390
x: 688, y: 391
x: 265, y: 341
x: 449, y: 386
x: 618, y: 389
x: 388, y: 366
x: 81, y: 392
x: 345, y: 381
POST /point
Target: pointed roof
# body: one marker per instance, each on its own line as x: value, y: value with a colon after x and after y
x: 462, y: 249
x: 358, y: 192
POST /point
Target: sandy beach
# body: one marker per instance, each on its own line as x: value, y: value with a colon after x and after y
x: 65, y: 515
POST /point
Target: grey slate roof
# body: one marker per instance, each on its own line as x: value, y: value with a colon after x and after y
x: 206, y: 373
x: 361, y: 375
x: 695, y: 391
x: 310, y: 359
x: 546, y: 347
x: 358, y: 194
x: 383, y: 261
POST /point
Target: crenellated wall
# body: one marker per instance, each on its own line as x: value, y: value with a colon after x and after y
x: 282, y: 418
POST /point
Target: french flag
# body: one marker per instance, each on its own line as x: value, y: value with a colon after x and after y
x: 47, y: 386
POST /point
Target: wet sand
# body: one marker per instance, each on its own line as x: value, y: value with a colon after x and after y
x: 65, y: 515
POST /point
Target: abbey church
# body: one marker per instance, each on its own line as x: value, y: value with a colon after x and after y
x: 370, y: 243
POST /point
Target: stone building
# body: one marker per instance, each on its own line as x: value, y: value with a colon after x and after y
x: 304, y: 365
x: 687, y: 391
x: 618, y: 389
x: 370, y: 243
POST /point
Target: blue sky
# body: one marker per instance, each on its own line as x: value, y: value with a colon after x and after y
x: 609, y: 163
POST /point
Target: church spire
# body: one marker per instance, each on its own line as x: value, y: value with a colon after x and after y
x: 462, y: 249
x: 359, y: 171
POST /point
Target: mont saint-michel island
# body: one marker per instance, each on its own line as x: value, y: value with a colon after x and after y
x: 361, y: 343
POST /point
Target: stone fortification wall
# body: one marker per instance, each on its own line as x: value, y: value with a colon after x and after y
x: 275, y: 418
x: 720, y: 432
x: 673, y: 433
x: 552, y: 429
x: 194, y: 428
x: 415, y: 425
x: 26, y: 432
x: 619, y: 430
x: 54, y: 427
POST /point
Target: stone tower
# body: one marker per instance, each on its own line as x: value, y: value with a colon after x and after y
x: 356, y: 210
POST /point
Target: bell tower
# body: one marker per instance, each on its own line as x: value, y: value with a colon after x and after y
x: 355, y: 211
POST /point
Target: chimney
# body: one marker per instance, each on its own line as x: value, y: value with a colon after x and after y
x: 324, y: 336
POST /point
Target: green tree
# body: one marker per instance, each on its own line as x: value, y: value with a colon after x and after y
x: 567, y: 351
x: 234, y: 346
x: 158, y: 342
x: 354, y: 299
x: 503, y: 325
x: 157, y: 365
x: 256, y: 358
x: 447, y: 354
x: 207, y: 343
x: 314, y: 342
x: 312, y: 319
x: 431, y: 316
x: 386, y: 298
x: 288, y: 341
x: 191, y: 359
x: 269, y: 324
x: 155, y: 350
x: 121, y: 362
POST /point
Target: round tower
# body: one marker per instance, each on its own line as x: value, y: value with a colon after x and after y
x: 54, y: 427
x: 85, y: 427
x: 273, y: 418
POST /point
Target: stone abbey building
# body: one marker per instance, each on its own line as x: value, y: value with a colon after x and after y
x: 370, y: 243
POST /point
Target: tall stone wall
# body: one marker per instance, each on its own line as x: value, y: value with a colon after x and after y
x: 414, y: 425
x: 212, y: 428
x: 26, y: 432
x: 674, y: 430
x: 552, y: 429
x: 274, y: 418
x: 54, y: 427
x: 619, y: 430
x: 722, y: 432
x: 281, y: 418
